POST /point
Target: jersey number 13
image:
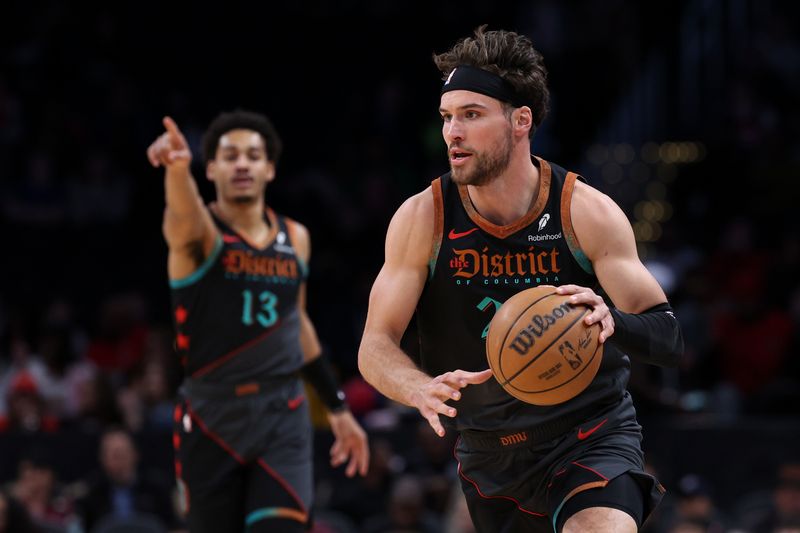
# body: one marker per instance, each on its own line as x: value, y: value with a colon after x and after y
x: 265, y: 308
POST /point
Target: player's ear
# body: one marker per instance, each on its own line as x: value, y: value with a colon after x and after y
x: 270, y: 171
x: 523, y: 119
x: 211, y: 170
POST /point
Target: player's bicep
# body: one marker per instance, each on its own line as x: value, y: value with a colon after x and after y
x: 607, y: 238
x: 393, y: 299
x: 631, y: 287
x: 401, y: 280
x: 309, y: 341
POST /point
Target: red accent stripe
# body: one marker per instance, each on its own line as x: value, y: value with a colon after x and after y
x: 555, y: 476
x: 176, y: 443
x: 488, y: 497
x: 438, y: 224
x: 288, y: 488
x: 213, y: 436
x: 227, y: 357
x: 216, y: 438
x: 590, y: 470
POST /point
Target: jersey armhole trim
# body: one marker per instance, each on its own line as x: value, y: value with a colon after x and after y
x: 438, y: 225
x: 198, y: 274
x: 290, y: 230
x: 566, y: 224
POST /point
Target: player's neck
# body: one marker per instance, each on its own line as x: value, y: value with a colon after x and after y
x: 508, y: 197
x: 247, y: 218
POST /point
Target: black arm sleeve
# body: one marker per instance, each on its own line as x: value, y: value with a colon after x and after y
x: 653, y: 336
x: 319, y: 374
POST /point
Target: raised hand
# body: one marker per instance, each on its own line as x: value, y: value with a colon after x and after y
x: 170, y: 148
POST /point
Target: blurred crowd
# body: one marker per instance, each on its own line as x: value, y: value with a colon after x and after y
x: 87, y: 368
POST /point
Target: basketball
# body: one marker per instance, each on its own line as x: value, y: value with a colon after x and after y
x: 539, y: 348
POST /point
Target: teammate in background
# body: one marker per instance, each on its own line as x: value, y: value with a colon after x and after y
x: 237, y: 271
x: 501, y: 221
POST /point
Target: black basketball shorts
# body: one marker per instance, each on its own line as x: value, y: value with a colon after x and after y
x: 514, y: 483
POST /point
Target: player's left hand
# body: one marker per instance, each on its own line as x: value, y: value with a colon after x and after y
x: 351, y: 443
x: 600, y: 312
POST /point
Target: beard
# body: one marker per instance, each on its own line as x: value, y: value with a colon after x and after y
x: 245, y: 199
x: 488, y: 166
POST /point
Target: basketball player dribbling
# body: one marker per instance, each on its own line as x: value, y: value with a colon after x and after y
x: 237, y: 272
x: 501, y: 221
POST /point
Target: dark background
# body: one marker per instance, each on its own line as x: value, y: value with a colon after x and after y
x: 689, y: 107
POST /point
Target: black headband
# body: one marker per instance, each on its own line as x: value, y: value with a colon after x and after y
x: 467, y: 78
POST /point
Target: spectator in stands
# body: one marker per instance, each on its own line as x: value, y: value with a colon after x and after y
x: 783, y: 511
x: 123, y: 489
x: 27, y: 410
x: 696, y: 505
x: 38, y: 490
x: 406, y: 510
x: 13, y: 516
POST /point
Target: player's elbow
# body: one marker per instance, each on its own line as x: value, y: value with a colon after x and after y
x: 677, y: 351
x: 364, y: 366
x: 672, y: 349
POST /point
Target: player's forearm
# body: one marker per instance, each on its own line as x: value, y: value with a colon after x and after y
x: 387, y: 368
x: 182, y: 195
x: 653, y: 336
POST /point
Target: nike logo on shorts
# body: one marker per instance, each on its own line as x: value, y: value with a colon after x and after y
x: 294, y: 403
x: 585, y: 434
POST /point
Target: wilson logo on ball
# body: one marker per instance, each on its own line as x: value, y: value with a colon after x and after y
x: 526, y: 338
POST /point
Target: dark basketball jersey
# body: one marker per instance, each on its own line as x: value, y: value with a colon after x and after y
x: 236, y: 316
x: 475, y: 267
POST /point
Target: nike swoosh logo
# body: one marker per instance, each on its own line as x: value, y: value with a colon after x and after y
x: 294, y: 403
x: 453, y: 235
x: 585, y: 434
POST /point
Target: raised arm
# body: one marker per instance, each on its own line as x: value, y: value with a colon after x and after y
x: 392, y: 301
x: 188, y: 228
x: 642, y: 322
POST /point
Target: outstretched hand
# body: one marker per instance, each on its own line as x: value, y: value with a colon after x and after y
x: 351, y: 443
x: 429, y: 398
x: 170, y: 148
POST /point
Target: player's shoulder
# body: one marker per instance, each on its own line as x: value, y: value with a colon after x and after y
x: 590, y: 202
x: 597, y: 220
x: 412, y: 225
x: 299, y: 236
x: 294, y: 225
x: 417, y: 207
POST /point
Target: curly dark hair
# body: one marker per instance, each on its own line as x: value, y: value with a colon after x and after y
x: 241, y: 119
x: 510, y: 56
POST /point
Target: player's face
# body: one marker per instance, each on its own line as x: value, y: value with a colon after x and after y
x: 478, y: 137
x: 240, y: 168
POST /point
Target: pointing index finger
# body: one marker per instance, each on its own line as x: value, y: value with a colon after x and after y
x: 173, y: 132
x: 170, y: 125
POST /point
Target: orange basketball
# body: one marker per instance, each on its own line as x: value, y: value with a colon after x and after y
x: 540, y: 349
